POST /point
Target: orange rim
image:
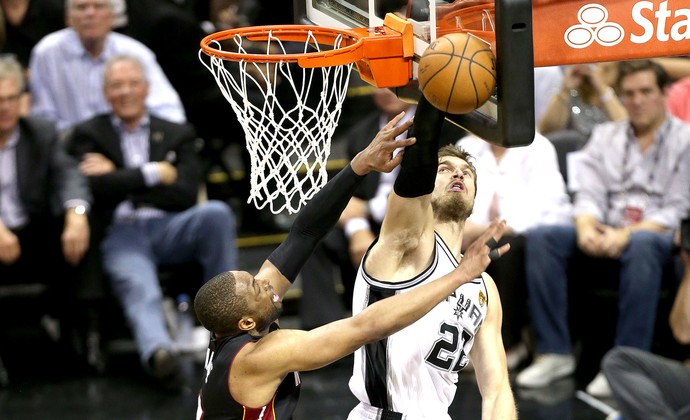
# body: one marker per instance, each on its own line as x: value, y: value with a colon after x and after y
x: 348, y: 51
x: 471, y: 20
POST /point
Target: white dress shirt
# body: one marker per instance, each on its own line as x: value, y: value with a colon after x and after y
x: 527, y: 181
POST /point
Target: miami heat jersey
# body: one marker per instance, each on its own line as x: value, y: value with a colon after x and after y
x: 215, y: 400
x: 415, y: 370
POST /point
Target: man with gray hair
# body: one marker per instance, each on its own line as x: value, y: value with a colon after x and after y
x: 145, y: 176
x: 67, y: 67
x: 36, y: 236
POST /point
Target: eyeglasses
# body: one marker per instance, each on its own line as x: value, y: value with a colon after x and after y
x: 10, y: 100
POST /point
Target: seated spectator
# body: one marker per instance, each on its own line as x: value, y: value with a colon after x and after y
x: 586, y: 98
x: 524, y: 186
x: 37, y: 237
x: 66, y: 82
x: 633, y: 193
x: 145, y: 176
x: 648, y: 386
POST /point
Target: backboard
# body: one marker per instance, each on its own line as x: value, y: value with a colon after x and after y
x: 507, y: 119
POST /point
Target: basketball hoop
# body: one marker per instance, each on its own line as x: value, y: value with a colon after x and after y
x: 287, y: 124
x: 478, y: 20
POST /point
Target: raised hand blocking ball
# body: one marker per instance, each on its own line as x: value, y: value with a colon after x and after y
x: 457, y: 73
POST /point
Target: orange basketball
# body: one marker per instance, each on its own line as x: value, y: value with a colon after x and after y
x: 457, y: 73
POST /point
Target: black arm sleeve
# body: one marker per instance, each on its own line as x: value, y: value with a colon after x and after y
x: 420, y: 162
x: 314, y: 221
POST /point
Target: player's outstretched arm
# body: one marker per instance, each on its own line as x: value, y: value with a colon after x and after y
x: 406, y: 236
x: 323, y: 211
x: 285, y: 351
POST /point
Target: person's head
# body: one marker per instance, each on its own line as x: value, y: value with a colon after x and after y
x: 92, y: 19
x: 388, y: 103
x: 642, y: 85
x: 235, y: 301
x: 11, y: 88
x: 125, y: 88
x: 453, y: 196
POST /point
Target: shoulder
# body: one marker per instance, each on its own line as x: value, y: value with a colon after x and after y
x: 51, y: 41
x: 38, y: 124
x: 608, y: 135
x: 541, y: 146
x: 94, y: 126
x: 493, y: 300
x: 472, y: 145
x: 127, y: 44
x: 184, y: 129
x: 38, y: 130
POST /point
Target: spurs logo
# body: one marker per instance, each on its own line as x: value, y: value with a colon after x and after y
x: 593, y: 26
x: 461, y: 306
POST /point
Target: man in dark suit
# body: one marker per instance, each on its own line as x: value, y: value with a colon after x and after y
x: 145, y: 176
x: 44, y: 200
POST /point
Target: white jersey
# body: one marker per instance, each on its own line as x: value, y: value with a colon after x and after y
x: 415, y: 370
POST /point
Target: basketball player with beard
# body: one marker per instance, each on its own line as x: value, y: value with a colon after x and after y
x: 251, y: 365
x: 412, y: 374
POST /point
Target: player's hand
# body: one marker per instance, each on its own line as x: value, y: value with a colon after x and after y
x: 75, y: 237
x: 379, y: 154
x: 10, y: 250
x: 485, y: 248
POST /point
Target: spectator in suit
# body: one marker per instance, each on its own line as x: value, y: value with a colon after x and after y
x: 44, y: 199
x: 67, y: 68
x: 145, y: 175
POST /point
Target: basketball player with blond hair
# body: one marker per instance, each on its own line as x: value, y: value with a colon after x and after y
x: 251, y: 367
x: 412, y: 374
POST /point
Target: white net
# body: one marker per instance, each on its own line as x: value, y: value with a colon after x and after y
x: 288, y: 115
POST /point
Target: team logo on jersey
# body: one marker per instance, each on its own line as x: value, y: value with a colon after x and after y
x: 461, y: 306
x: 482, y: 298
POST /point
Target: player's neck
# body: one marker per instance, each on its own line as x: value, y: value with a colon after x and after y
x: 451, y: 233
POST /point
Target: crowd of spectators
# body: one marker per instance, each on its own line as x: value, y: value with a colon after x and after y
x: 100, y: 116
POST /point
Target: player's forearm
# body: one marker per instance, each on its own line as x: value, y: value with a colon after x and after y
x: 419, y: 164
x: 500, y: 407
x: 314, y: 222
x: 392, y: 314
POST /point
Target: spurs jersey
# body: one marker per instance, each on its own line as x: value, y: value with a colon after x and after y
x: 415, y: 370
x: 215, y: 400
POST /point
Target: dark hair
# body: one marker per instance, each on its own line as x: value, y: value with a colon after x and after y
x: 626, y: 68
x: 459, y: 152
x: 218, y: 306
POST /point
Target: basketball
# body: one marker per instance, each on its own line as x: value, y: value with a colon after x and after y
x: 457, y: 73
